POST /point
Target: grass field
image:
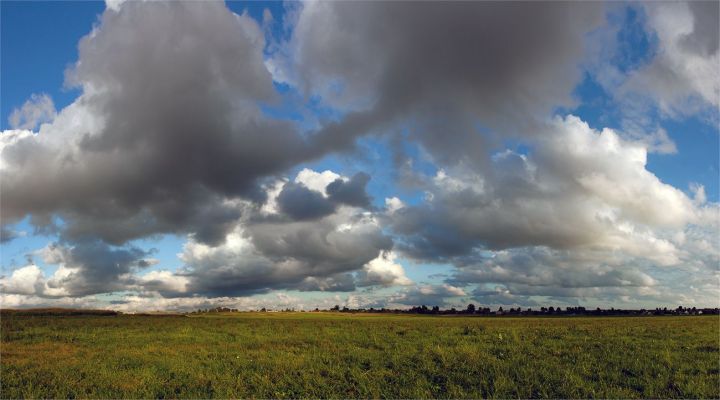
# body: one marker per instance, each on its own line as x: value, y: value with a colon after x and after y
x: 328, y: 355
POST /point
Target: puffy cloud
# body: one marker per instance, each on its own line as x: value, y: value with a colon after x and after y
x: 163, y: 281
x: 83, y: 269
x: 315, y: 195
x: 26, y: 280
x: 384, y: 271
x: 263, y: 251
x: 169, y: 136
x: 301, y: 203
x: 350, y: 192
x: 88, y: 268
x: 686, y: 66
x: 308, y: 252
x: 159, y: 143
x: 393, y: 204
x: 37, y: 110
x: 443, y: 80
x: 316, y: 181
x: 577, y: 188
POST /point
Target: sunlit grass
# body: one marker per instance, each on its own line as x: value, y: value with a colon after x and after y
x: 328, y: 355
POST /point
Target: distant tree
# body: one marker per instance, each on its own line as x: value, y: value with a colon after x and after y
x: 336, y: 308
x: 470, y: 308
x: 500, y: 309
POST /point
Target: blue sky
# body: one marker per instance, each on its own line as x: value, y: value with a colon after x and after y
x: 509, y: 200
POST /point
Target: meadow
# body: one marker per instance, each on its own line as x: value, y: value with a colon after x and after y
x: 333, y: 355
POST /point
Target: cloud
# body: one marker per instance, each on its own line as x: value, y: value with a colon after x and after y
x: 513, y: 277
x: 430, y: 295
x: 501, y: 296
x: 350, y: 192
x: 308, y: 252
x: 37, y: 110
x: 27, y: 280
x: 163, y: 281
x: 172, y: 134
x: 316, y: 181
x: 263, y: 251
x: 301, y: 203
x: 544, y: 267
x: 83, y: 269
x: 7, y: 234
x: 444, y: 72
x: 686, y: 67
x: 88, y: 268
x: 383, y: 271
x: 154, y: 144
x: 577, y: 188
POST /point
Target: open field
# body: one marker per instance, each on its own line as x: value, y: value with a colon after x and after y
x: 329, y: 355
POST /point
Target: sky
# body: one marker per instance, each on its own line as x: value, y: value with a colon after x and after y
x: 186, y: 155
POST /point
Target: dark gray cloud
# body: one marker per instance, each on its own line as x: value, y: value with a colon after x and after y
x: 301, y: 203
x: 705, y: 35
x: 266, y: 253
x: 169, y: 136
x: 444, y: 68
x: 159, y: 143
x: 84, y: 268
x: 352, y: 192
x: 96, y: 268
x: 7, y: 234
x: 167, y: 129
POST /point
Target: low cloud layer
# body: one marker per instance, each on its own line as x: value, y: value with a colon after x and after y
x: 263, y: 251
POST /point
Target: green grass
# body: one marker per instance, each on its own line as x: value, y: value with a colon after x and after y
x: 303, y: 355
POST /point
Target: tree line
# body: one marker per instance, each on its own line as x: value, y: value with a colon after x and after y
x: 471, y: 309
